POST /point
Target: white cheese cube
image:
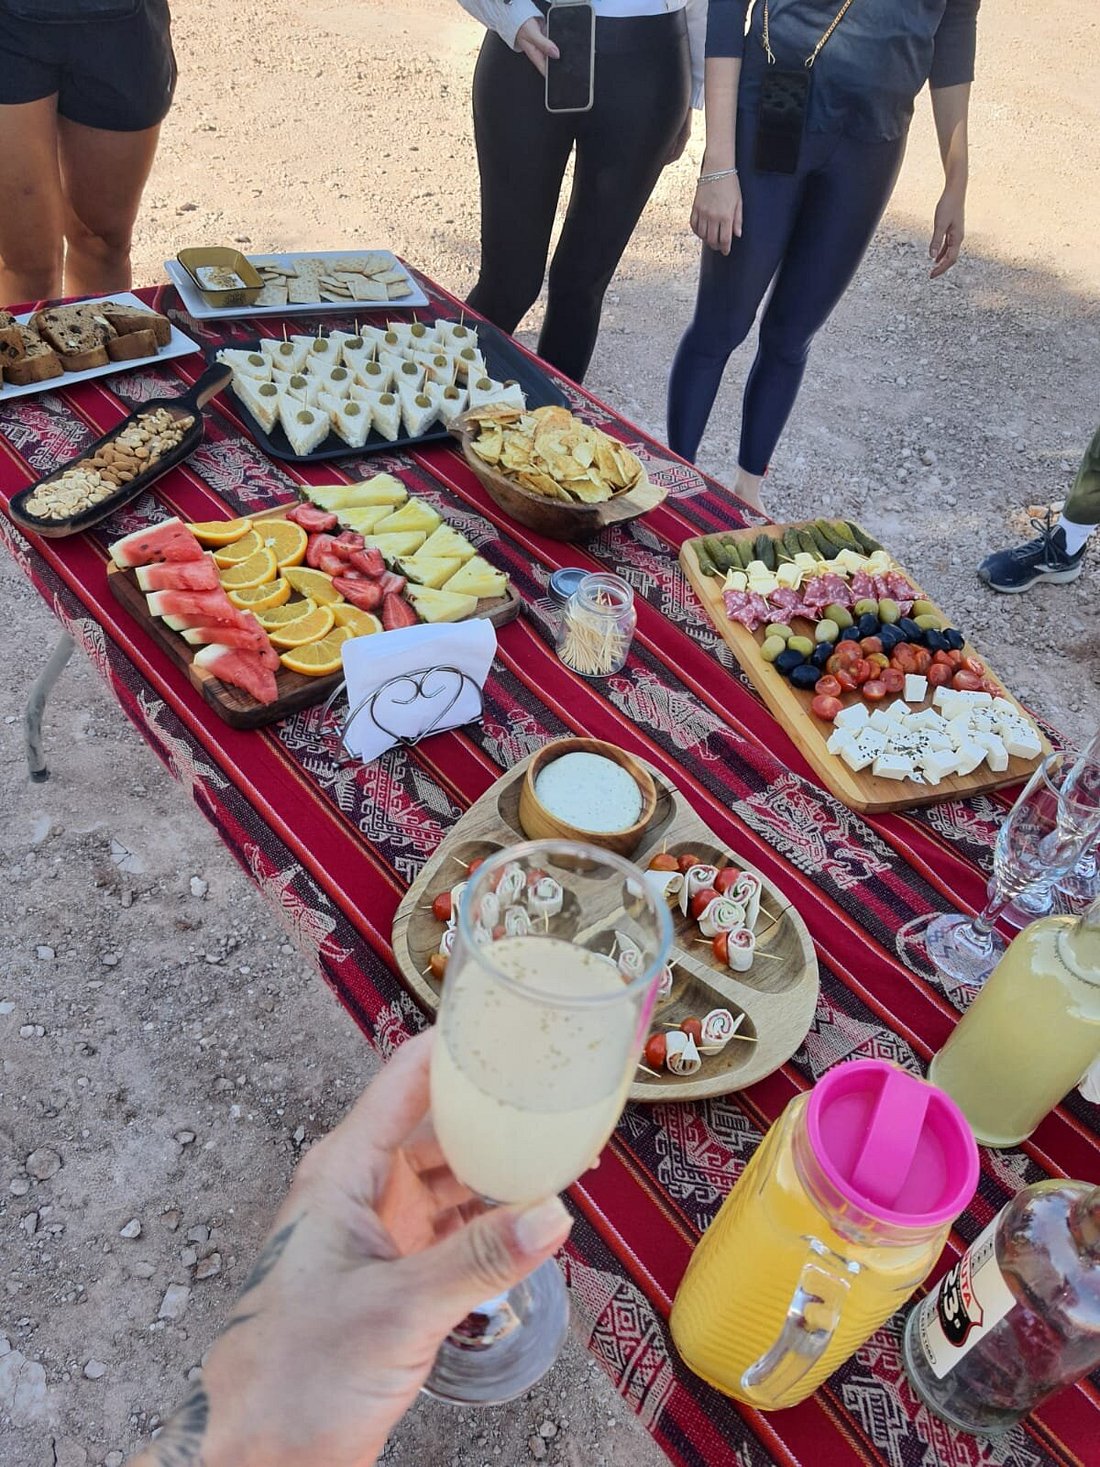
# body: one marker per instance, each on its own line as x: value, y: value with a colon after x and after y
x: 976, y: 699
x: 947, y: 701
x: 1023, y: 742
x: 969, y: 757
x: 863, y: 750
x: 757, y: 568
x: 939, y: 763
x: 996, y: 755
x: 735, y: 581
x: 927, y: 718
x: 897, y: 710
x: 805, y: 561
x: 1005, y: 707
x: 789, y: 575
x: 916, y: 687
x: 853, y: 718
x: 894, y: 766
x: 881, y: 721
x: 838, y: 738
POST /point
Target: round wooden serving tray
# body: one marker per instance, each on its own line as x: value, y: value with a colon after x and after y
x: 553, y: 517
x: 777, y: 995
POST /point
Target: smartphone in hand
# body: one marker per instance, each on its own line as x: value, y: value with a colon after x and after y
x: 571, y: 25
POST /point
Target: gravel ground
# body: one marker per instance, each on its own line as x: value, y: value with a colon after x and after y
x: 155, y: 1091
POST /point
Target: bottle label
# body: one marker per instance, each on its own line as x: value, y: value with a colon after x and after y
x: 973, y: 1297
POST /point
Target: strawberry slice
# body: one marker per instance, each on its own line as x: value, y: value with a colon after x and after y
x: 347, y: 541
x: 392, y: 584
x: 397, y: 612
x: 368, y: 562
x: 367, y: 595
x: 319, y: 545
x: 312, y: 519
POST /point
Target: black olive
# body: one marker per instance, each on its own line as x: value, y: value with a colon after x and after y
x: 909, y: 629
x: 955, y: 639
x: 822, y: 652
x: 787, y: 661
x: 851, y: 634
x: 805, y: 676
x: 868, y: 625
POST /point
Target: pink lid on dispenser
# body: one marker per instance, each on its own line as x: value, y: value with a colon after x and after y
x: 892, y: 1144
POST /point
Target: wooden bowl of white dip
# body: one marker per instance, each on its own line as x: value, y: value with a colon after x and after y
x: 587, y: 790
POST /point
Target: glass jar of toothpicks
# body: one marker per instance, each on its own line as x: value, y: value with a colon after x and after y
x: 597, y: 626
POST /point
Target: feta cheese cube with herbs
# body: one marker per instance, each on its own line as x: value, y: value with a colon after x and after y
x: 853, y: 718
x: 939, y: 763
x: 893, y: 766
x: 1022, y: 742
x: 838, y: 738
x: 863, y: 750
x: 916, y: 687
x: 969, y: 757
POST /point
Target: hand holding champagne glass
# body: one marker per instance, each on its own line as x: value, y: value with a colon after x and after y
x: 537, y: 1039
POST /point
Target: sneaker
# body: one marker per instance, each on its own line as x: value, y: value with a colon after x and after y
x: 1042, y: 559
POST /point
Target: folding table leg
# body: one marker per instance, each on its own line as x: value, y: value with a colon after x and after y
x: 36, y: 704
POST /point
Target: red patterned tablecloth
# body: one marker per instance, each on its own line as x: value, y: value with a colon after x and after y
x: 334, y: 847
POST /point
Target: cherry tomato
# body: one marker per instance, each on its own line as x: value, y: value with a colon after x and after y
x: 827, y: 686
x: 904, y: 657
x: 726, y: 878
x: 499, y: 932
x: 973, y: 664
x: 721, y: 948
x: 694, y: 1027
x: 991, y: 685
x: 655, y: 1050
x: 956, y: 657
x: 874, y: 690
x: 442, y: 907
x: 849, y: 651
x: 846, y: 680
x: 687, y: 860
x: 701, y: 901
x: 878, y: 659
x: 942, y: 657
x: 922, y: 660
x: 966, y: 682
x: 826, y: 707
x: 437, y: 966
x: 535, y: 875
x: 892, y: 680
x: 867, y: 645
x: 940, y: 674
x: 861, y: 671
x: 664, y: 861
x: 474, y: 864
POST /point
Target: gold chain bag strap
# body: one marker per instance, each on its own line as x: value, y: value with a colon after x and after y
x: 784, y: 101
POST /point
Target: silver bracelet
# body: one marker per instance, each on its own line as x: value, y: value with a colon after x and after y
x: 713, y: 177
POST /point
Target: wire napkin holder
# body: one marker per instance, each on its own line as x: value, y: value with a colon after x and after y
x: 452, y: 681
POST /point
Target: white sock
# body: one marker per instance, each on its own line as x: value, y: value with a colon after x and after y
x: 1075, y: 534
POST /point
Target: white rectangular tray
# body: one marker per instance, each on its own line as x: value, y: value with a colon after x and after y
x: 179, y: 346
x: 197, y: 307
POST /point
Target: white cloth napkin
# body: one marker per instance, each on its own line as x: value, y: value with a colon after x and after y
x: 369, y: 662
x: 1090, y: 1085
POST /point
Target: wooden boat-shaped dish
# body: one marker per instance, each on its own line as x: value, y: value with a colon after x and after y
x: 777, y: 996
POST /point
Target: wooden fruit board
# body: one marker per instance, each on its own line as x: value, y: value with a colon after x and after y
x: 865, y: 792
x: 296, y: 691
x: 777, y: 994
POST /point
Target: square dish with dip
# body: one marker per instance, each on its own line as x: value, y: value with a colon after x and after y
x: 589, y: 791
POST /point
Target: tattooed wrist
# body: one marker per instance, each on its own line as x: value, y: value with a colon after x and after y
x: 180, y: 1444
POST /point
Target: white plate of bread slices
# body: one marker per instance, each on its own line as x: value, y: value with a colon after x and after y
x: 59, y: 345
x: 354, y: 282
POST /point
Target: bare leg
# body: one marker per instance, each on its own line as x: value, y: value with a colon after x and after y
x: 747, y: 487
x: 103, y: 174
x: 31, y: 205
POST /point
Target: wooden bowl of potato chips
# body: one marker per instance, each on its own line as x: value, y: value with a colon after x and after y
x: 552, y: 472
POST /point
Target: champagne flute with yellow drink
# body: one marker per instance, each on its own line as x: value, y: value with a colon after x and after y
x: 537, y: 1040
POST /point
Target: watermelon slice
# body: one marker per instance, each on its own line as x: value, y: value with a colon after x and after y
x: 228, y: 616
x: 210, y: 605
x: 247, y: 639
x: 188, y: 575
x: 241, y: 669
x: 170, y: 540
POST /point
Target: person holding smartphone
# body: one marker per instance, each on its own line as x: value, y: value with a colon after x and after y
x: 807, y: 116
x: 613, y: 80
x: 84, y: 87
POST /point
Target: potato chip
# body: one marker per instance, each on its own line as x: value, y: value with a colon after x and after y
x: 549, y: 452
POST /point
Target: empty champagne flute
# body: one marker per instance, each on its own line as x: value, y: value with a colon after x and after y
x: 1055, y: 819
x: 1038, y: 899
x: 540, y: 1027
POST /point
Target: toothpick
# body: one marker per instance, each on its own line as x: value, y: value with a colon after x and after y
x: 285, y: 337
x: 458, y: 862
x: 769, y: 957
x: 648, y: 1071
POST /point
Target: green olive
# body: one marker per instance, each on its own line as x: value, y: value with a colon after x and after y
x: 928, y: 622
x: 800, y: 644
x: 922, y: 608
x: 839, y: 614
x: 888, y: 610
x: 868, y: 604
x: 779, y: 629
x: 771, y: 647
x: 826, y: 630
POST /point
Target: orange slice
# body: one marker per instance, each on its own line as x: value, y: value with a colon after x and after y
x: 257, y: 570
x: 278, y: 616
x: 362, y: 623
x: 313, y: 583
x: 220, y: 532
x: 261, y: 598
x: 240, y: 549
x: 318, y: 659
x: 287, y: 539
x: 309, y: 628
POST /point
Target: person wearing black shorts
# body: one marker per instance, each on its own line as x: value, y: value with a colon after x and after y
x: 84, y: 87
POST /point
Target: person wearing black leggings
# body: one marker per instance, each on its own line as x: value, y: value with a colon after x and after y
x: 638, y: 123
x: 801, y: 158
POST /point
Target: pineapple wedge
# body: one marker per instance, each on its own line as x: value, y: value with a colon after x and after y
x: 446, y: 542
x: 478, y: 578
x: 412, y: 516
x: 428, y: 570
x: 365, y: 520
x: 394, y: 546
x: 434, y: 606
x: 382, y: 489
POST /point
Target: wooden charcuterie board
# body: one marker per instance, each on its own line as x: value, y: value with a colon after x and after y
x: 777, y: 995
x: 296, y: 691
x: 864, y: 792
